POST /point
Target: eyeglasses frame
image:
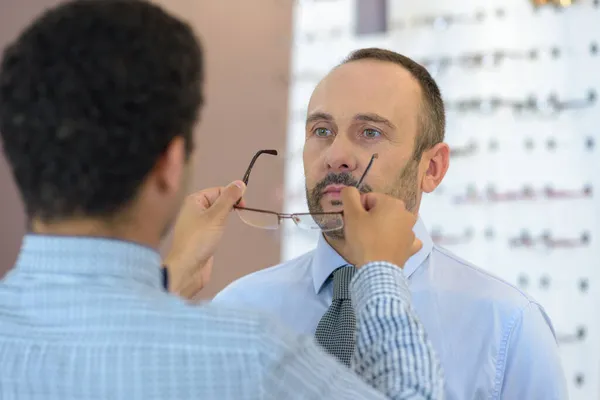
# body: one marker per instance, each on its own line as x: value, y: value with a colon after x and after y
x: 295, y: 216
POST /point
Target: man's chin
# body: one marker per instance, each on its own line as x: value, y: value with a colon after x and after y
x: 338, y: 234
x: 332, y: 206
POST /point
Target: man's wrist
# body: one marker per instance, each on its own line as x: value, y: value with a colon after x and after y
x: 376, y: 280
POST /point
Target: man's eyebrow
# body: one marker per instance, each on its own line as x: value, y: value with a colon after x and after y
x: 368, y: 117
x: 318, y: 116
x: 376, y: 118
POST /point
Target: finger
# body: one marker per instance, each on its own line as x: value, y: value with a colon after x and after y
x: 370, y: 200
x: 241, y: 203
x: 229, y: 196
x: 352, y: 202
x: 192, y: 287
x: 416, y: 246
x: 184, y: 292
x: 409, y: 216
x: 196, y: 300
x: 207, y: 197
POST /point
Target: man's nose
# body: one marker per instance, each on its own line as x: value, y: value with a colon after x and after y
x: 340, y: 156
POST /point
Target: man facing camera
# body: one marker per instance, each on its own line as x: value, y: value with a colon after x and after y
x: 494, y: 341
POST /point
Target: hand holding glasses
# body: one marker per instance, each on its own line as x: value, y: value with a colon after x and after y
x: 266, y: 219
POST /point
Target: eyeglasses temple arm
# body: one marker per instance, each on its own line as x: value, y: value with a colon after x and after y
x: 373, y: 157
x: 249, y: 169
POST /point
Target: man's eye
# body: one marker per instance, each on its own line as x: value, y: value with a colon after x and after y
x: 371, y: 133
x: 322, y: 132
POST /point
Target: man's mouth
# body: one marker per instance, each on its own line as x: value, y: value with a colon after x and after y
x: 333, y: 191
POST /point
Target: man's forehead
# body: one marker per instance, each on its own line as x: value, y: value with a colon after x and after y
x: 366, y: 86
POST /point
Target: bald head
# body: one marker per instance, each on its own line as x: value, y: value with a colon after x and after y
x: 432, y: 118
x: 374, y: 102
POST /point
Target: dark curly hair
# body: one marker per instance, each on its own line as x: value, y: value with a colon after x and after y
x: 91, y: 95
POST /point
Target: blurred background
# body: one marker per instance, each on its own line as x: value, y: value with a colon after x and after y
x: 521, y: 81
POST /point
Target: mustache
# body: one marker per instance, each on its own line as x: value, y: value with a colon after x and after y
x: 344, y: 178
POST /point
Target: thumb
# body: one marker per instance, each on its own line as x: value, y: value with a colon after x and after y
x: 352, y: 202
x: 229, y: 196
x: 416, y: 246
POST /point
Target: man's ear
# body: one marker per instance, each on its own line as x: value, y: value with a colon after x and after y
x: 171, y: 165
x: 435, y: 162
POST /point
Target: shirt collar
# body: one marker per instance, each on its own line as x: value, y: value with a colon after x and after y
x: 88, y: 256
x: 326, y: 259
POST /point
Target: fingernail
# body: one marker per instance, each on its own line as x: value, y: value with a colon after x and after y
x: 239, y: 184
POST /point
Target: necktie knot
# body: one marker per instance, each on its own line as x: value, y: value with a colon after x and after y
x: 341, y: 282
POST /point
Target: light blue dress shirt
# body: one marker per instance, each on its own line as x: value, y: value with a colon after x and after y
x: 87, y: 318
x: 494, y: 341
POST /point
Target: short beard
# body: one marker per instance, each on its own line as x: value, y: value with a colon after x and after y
x: 404, y: 188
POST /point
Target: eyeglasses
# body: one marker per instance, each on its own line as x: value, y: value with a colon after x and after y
x: 265, y: 219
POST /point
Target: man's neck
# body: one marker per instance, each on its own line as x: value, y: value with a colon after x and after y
x: 98, y: 228
x: 337, y: 244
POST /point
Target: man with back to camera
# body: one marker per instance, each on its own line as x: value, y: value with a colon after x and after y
x: 98, y: 102
x: 494, y: 341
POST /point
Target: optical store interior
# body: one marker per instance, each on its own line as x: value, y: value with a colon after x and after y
x: 520, y: 81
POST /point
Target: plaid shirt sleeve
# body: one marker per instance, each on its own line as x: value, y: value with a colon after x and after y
x: 393, y: 358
